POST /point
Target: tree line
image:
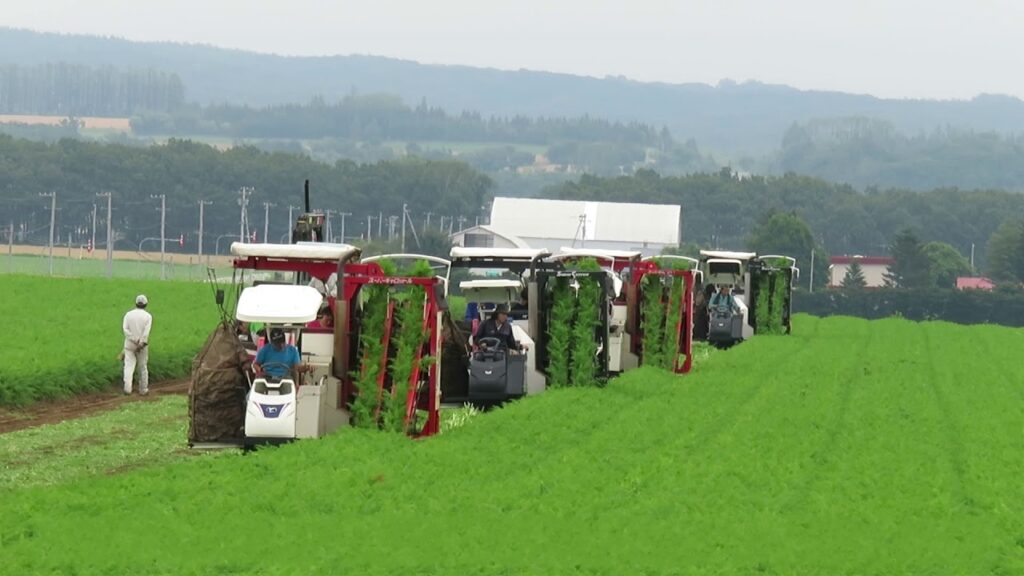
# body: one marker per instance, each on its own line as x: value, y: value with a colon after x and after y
x: 720, y: 210
x: 187, y: 172
x: 76, y: 90
x: 379, y: 117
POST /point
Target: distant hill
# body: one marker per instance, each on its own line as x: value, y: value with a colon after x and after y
x: 731, y: 119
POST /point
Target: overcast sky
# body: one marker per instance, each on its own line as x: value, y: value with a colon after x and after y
x: 893, y: 48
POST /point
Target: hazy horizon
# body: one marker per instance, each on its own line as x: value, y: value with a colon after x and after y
x: 919, y: 50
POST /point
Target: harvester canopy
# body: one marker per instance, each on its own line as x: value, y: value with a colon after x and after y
x: 301, y: 251
x: 279, y: 304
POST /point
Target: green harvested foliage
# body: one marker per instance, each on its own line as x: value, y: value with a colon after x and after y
x: 862, y: 453
x: 662, y: 310
x: 65, y: 334
x: 397, y: 355
x: 771, y: 301
x: 574, y: 319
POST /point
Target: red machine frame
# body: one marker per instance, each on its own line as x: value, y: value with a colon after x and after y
x: 352, y: 277
x: 684, y: 330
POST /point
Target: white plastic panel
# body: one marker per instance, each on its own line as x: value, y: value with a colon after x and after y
x: 279, y: 304
x: 301, y: 251
x: 459, y: 252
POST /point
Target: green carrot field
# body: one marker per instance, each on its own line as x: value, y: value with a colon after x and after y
x: 63, y: 335
x: 850, y: 447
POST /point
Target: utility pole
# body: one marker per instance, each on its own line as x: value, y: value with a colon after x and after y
x: 243, y: 202
x: 369, y: 228
x: 392, y: 220
x: 380, y: 224
x: 10, y: 247
x: 415, y: 236
x: 343, y: 215
x: 92, y: 243
x: 811, y: 287
x: 266, y: 220
x: 202, y: 205
x: 462, y: 220
x: 972, y: 258
x: 426, y: 227
x: 53, y: 221
x: 163, y: 233
x: 110, y: 239
x: 291, y: 223
x: 328, y: 233
x: 405, y: 211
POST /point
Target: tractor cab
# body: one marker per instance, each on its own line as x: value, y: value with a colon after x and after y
x: 620, y: 265
x: 725, y: 326
x: 488, y: 278
x: 284, y: 402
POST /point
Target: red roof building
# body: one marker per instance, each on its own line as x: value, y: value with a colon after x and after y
x: 974, y: 283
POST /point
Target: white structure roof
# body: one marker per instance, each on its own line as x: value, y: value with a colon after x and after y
x: 605, y: 221
x: 279, y: 304
x: 597, y: 253
x: 724, y: 255
x: 488, y: 229
x: 301, y: 251
x: 480, y: 284
x: 459, y: 252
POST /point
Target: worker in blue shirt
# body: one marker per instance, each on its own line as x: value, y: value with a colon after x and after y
x: 278, y: 359
x: 723, y: 301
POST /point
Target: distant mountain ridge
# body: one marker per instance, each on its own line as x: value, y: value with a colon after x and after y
x: 734, y: 119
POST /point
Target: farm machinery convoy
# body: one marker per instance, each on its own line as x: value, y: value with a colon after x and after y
x: 394, y: 352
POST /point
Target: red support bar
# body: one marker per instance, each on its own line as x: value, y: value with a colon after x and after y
x: 686, y: 326
x: 414, y: 377
x: 433, y: 425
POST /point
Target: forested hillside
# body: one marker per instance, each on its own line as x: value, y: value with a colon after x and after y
x: 187, y: 172
x: 75, y: 90
x: 721, y: 210
x: 735, y: 119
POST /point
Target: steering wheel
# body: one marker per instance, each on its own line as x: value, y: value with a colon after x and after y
x: 287, y: 368
x: 489, y: 342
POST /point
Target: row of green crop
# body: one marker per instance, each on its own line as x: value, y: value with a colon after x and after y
x: 862, y: 453
x: 64, y: 335
x: 574, y: 319
x: 661, y: 312
x: 390, y: 356
x: 770, y: 306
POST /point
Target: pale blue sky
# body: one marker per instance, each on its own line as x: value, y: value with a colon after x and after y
x: 896, y: 48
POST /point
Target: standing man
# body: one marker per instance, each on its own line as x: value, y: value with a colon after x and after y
x: 137, y: 324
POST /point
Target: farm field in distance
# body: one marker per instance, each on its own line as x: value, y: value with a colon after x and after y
x: 849, y: 447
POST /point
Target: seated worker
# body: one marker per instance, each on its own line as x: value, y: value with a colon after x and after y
x: 283, y: 358
x: 245, y: 335
x: 325, y: 319
x: 497, y: 326
x: 723, y: 301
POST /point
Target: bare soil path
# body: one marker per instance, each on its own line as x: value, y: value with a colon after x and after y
x: 55, y: 411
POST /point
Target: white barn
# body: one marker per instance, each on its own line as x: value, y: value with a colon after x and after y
x: 554, y: 224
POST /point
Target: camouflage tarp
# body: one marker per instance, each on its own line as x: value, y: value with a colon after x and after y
x: 216, y: 406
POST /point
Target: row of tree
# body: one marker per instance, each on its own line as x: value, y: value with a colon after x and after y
x: 380, y: 117
x: 187, y: 172
x: 868, y: 152
x: 721, y: 209
x: 76, y: 90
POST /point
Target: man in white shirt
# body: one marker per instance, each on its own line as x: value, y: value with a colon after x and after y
x: 137, y: 324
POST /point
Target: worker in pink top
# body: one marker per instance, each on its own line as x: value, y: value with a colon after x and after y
x: 323, y: 320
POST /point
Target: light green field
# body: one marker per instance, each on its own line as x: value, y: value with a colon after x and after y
x: 65, y: 333
x: 851, y: 447
x: 87, y: 268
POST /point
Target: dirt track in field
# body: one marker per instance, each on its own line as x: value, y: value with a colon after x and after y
x: 56, y: 411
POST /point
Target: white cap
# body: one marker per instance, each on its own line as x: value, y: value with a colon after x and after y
x: 141, y: 300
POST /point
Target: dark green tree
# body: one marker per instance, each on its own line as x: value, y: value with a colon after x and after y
x: 912, y: 267
x: 946, y: 264
x: 854, y: 277
x: 1006, y: 252
x: 787, y: 234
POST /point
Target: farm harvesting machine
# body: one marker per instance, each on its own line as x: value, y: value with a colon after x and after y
x: 762, y: 292
x: 394, y: 353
